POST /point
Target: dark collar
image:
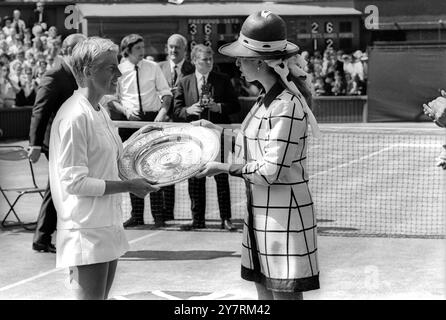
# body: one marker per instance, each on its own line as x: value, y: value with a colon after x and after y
x: 272, y: 94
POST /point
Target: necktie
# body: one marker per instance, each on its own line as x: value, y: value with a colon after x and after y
x: 203, y: 85
x: 139, y: 91
x: 174, y: 75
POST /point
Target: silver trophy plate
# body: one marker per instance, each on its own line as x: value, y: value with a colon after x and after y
x: 168, y: 155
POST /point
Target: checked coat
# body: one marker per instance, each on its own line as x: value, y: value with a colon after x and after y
x: 279, y: 246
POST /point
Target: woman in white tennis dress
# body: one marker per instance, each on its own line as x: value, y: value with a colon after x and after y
x: 84, y: 149
x: 279, y: 249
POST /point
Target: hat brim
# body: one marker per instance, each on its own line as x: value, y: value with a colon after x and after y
x: 237, y: 50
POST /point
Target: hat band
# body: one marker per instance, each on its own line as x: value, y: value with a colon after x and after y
x: 262, y: 46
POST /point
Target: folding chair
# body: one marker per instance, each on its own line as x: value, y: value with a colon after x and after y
x: 18, y: 153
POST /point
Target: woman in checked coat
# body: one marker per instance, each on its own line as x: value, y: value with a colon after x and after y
x: 279, y: 249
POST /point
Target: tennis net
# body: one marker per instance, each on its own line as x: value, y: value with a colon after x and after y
x: 366, y: 180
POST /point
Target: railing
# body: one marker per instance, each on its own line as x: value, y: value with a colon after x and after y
x: 14, y: 122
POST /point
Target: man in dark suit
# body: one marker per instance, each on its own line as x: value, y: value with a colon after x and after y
x: 209, y: 95
x: 38, y: 17
x: 174, y: 68
x: 56, y: 86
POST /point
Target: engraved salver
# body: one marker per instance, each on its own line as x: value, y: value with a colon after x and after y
x: 168, y: 155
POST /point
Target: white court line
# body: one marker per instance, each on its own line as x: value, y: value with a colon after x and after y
x: 164, y: 295
x: 351, y: 162
x: 40, y: 275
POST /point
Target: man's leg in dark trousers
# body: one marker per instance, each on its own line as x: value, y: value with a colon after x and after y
x: 197, y: 193
x: 168, y: 202
x: 47, y: 220
x: 156, y: 205
x: 137, y: 208
x: 223, y: 194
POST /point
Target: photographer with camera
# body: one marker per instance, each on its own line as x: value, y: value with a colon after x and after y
x: 209, y: 95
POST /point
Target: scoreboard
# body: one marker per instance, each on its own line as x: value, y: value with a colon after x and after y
x: 309, y: 33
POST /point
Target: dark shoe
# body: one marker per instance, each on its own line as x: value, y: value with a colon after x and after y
x: 42, y: 247
x: 227, y: 224
x: 160, y: 224
x: 133, y: 222
x: 194, y: 225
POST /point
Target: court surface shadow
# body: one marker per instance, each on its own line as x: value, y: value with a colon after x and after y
x: 155, y: 255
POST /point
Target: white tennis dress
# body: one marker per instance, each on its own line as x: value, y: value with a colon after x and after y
x: 279, y: 236
x: 84, y: 149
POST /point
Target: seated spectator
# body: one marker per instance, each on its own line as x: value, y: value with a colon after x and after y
x: 7, y: 29
x: 30, y: 60
x: 348, y: 65
x: 27, y: 36
x: 339, y: 64
x: 4, y: 48
x: 50, y: 60
x: 53, y: 37
x: 319, y: 86
x: 28, y: 87
x: 328, y: 85
x: 5, y: 59
x: 37, y: 31
x: 339, y: 85
x: 15, y: 69
x: 16, y: 45
x: 8, y: 89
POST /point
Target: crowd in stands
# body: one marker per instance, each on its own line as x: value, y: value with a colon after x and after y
x: 335, y: 73
x: 27, y: 50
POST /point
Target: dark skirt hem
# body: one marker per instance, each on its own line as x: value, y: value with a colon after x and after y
x: 281, y: 285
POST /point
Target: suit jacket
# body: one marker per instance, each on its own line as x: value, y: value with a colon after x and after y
x: 186, y: 69
x: 56, y: 86
x: 222, y: 91
x: 34, y: 18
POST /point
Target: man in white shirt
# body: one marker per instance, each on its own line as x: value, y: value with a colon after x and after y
x: 139, y: 90
x: 139, y: 95
x: 18, y: 24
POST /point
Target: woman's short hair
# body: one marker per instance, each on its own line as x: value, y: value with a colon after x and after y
x: 86, y: 53
x: 128, y: 42
x: 200, y: 48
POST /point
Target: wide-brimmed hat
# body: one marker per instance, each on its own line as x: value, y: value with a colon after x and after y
x: 263, y: 35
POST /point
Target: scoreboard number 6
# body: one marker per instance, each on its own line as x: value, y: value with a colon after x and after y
x: 207, y: 28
